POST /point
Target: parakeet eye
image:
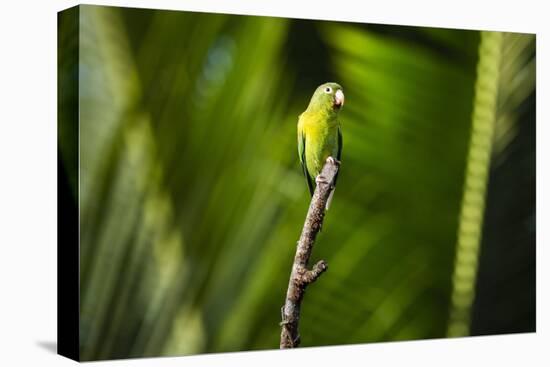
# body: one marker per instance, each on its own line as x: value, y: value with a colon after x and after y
x: 328, y: 89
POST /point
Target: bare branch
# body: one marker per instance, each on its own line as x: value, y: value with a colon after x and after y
x: 300, y: 276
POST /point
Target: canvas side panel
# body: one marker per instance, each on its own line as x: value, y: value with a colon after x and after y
x: 67, y: 183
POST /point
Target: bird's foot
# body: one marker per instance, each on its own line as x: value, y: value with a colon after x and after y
x: 333, y: 161
x: 321, y: 180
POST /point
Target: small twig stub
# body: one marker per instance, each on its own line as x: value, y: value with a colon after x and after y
x: 301, y: 276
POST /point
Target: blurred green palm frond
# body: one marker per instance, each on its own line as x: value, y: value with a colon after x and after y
x: 149, y: 147
x: 192, y: 198
x: 505, y: 85
x: 507, y: 260
x: 475, y: 182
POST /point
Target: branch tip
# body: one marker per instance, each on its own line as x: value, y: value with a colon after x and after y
x: 311, y: 275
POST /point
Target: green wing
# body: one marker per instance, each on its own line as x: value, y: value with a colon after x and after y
x: 339, y: 152
x: 302, y: 155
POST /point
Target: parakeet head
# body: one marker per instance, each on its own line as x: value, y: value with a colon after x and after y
x: 328, y: 97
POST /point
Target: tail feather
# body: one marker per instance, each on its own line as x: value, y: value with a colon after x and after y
x: 329, y: 199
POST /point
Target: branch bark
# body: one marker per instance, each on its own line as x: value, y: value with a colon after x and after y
x: 300, y: 276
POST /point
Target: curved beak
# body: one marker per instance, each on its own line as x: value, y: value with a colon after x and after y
x: 339, y: 98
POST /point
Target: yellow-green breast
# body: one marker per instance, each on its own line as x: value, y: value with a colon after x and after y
x: 321, y: 140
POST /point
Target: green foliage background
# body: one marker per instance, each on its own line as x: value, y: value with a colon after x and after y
x: 191, y: 196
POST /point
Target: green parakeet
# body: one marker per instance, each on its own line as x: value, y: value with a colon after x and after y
x: 319, y: 135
